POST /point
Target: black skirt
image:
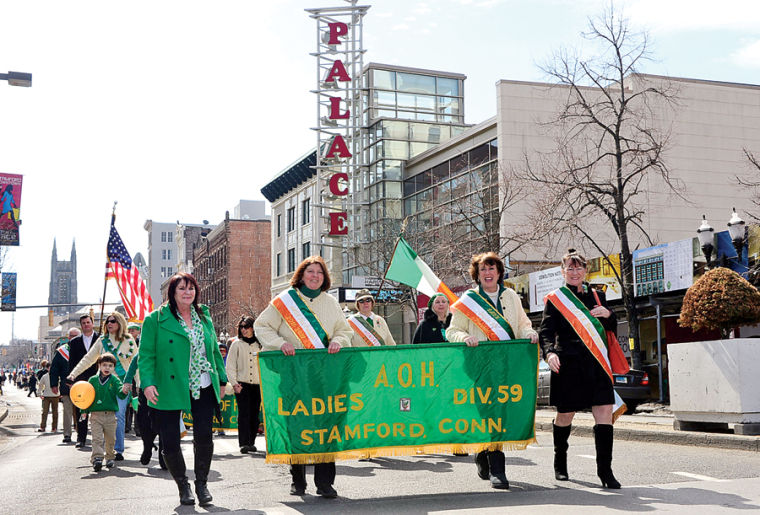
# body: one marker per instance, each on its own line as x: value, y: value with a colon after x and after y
x: 580, y: 384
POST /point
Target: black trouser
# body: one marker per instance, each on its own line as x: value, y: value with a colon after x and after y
x: 324, y: 474
x: 143, y: 421
x: 166, y: 422
x: 82, y: 419
x: 248, y: 402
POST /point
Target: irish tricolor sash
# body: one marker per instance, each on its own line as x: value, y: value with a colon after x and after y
x: 589, y: 329
x: 366, y: 331
x: 63, y: 350
x: 300, y: 319
x: 485, y: 316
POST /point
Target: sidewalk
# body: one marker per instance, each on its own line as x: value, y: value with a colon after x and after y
x: 651, y: 423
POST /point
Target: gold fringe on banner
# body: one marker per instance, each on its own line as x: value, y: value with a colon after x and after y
x: 410, y: 450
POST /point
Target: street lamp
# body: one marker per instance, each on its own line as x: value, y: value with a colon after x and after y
x: 17, y: 79
x: 736, y: 230
x: 705, y: 235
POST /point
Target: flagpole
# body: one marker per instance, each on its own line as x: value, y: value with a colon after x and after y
x: 387, y: 267
x: 105, y: 279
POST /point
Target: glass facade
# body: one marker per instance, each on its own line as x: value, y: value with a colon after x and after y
x: 405, y: 114
x: 456, y: 201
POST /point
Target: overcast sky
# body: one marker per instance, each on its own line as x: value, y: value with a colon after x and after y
x: 178, y: 109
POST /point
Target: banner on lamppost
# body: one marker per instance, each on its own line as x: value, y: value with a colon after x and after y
x: 395, y: 401
x: 8, y: 292
x: 10, y: 205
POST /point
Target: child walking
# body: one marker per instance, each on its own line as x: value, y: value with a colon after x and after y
x: 103, y: 410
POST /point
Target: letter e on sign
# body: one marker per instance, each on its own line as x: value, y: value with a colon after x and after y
x: 338, y: 224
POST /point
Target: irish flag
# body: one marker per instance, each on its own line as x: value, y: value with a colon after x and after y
x: 407, y: 268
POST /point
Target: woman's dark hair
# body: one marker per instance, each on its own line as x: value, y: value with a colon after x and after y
x: 245, y: 321
x: 297, y: 279
x: 174, y: 283
x: 571, y: 257
x: 486, y: 258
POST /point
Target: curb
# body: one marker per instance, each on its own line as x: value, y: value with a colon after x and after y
x: 3, y: 413
x: 697, y: 439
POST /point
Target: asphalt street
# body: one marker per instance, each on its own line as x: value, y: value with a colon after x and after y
x: 40, y: 474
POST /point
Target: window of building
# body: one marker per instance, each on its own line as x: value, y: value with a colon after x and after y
x: 170, y: 236
x: 169, y: 271
x: 163, y: 236
x: 291, y: 260
x: 163, y: 271
x: 163, y: 252
x: 306, y: 211
x: 168, y: 254
x: 279, y: 225
x: 383, y: 79
x: 414, y: 83
x: 306, y: 250
x: 278, y: 265
x: 448, y: 87
x: 291, y: 219
x: 479, y: 155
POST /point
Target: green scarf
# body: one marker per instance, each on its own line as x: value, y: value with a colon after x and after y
x: 199, y: 363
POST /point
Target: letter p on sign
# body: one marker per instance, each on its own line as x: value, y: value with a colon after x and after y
x: 337, y: 29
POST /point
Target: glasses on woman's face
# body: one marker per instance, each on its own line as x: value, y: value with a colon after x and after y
x: 111, y: 321
x: 364, y: 301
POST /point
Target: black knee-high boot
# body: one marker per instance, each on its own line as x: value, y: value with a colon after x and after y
x: 603, y: 441
x: 176, y: 465
x: 481, y: 463
x: 203, y: 453
x: 561, y: 434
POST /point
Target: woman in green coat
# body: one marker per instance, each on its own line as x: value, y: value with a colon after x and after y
x: 181, y: 369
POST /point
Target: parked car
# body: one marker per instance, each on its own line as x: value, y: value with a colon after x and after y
x: 632, y: 387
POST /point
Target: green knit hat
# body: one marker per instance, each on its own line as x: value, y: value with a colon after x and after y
x: 436, y: 295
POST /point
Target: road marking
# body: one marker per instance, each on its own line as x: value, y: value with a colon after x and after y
x: 699, y: 477
x: 587, y: 456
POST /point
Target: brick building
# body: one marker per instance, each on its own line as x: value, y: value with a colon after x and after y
x: 232, y: 266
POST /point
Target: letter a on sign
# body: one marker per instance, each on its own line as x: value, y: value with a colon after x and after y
x: 338, y: 148
x: 339, y: 71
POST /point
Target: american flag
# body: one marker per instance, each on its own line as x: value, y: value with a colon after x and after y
x: 134, y: 293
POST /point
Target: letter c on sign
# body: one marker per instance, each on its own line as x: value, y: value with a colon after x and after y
x: 334, y: 185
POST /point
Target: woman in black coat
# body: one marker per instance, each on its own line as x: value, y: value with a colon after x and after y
x: 578, y: 381
x: 435, y: 321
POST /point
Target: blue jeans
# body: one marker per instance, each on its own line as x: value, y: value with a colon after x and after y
x: 120, y: 419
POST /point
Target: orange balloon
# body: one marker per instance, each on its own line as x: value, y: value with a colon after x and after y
x: 82, y: 394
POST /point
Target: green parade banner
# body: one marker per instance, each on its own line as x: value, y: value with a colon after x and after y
x: 229, y: 411
x: 400, y: 400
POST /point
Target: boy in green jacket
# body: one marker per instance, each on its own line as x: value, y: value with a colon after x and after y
x: 103, y: 410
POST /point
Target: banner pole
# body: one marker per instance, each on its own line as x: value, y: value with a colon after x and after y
x: 388, y: 265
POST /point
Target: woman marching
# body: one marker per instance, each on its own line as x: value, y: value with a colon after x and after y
x: 306, y: 301
x: 243, y: 374
x: 435, y: 321
x: 117, y: 341
x: 498, y: 309
x: 370, y: 329
x: 181, y: 369
x: 575, y: 317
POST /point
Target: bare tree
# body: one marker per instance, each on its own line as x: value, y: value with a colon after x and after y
x: 752, y: 180
x: 608, y: 144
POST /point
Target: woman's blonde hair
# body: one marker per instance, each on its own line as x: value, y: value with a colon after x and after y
x: 122, y: 322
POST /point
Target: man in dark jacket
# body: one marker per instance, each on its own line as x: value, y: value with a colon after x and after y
x: 58, y: 372
x: 78, y: 347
